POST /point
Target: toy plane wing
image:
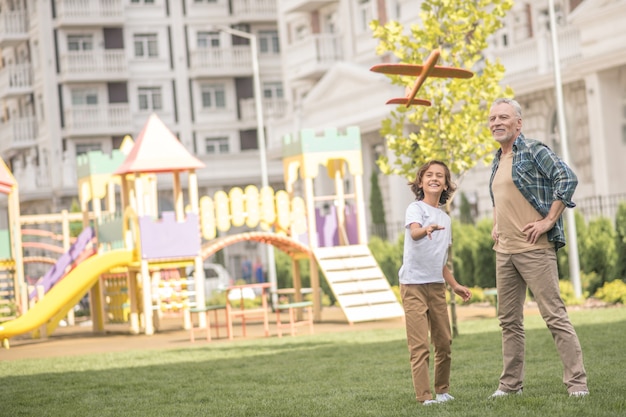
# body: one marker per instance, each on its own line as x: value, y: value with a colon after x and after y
x: 415, y: 69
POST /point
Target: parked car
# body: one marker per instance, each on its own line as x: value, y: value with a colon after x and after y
x: 216, y: 279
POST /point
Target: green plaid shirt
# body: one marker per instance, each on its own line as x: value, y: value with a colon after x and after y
x: 542, y: 178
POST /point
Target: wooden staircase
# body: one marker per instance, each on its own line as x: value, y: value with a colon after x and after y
x: 358, y: 283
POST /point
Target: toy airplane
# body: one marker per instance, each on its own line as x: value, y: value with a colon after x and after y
x: 429, y: 69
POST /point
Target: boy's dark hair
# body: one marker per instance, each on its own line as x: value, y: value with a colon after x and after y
x: 419, y: 191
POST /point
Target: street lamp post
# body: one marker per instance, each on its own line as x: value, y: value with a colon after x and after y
x: 574, y: 262
x: 258, y: 102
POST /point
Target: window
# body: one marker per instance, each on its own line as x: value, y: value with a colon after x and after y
x: 364, y: 13
x: 79, y: 43
x: 208, y: 40
x: 150, y: 98
x: 273, y: 90
x: 216, y: 145
x: 84, y: 97
x: 213, y: 96
x: 83, y: 148
x: 268, y: 42
x: 146, y: 45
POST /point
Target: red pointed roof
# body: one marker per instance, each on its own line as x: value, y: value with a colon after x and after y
x: 158, y: 150
x: 7, y: 181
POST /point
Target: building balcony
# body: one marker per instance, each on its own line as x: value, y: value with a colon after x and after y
x: 255, y: 10
x: 272, y: 109
x: 297, y: 6
x: 16, y: 80
x: 313, y: 56
x: 89, y: 12
x: 104, y: 64
x: 237, y: 168
x: 17, y: 134
x: 110, y: 119
x: 533, y: 57
x: 234, y: 61
x: 13, y: 28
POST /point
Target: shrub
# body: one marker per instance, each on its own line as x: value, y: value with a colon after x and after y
x: 612, y: 292
x: 464, y: 237
x: 388, y: 256
x: 599, y: 255
x: 485, y: 273
x: 567, y: 294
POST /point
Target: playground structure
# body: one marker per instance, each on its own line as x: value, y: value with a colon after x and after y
x: 134, y: 272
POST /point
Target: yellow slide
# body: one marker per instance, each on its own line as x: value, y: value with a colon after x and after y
x: 65, y: 294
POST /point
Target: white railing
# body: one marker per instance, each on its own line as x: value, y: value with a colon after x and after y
x: 272, y: 108
x: 13, y: 23
x: 322, y: 48
x: 235, y: 57
x: 254, y: 7
x: 89, y: 8
x: 17, y: 76
x: 107, y: 61
x: 534, y: 56
x: 18, y: 133
x: 98, y: 117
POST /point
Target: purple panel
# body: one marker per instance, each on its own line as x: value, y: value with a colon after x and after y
x: 57, y: 272
x: 327, y: 226
x: 167, y: 238
x: 351, y: 225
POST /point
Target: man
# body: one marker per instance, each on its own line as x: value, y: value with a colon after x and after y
x: 530, y: 188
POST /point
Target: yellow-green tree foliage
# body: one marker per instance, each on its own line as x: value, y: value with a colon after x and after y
x: 454, y: 129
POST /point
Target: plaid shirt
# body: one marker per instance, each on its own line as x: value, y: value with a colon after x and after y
x: 542, y: 178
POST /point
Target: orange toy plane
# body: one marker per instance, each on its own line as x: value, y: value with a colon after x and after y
x: 429, y: 69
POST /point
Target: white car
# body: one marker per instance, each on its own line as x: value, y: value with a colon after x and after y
x: 216, y: 279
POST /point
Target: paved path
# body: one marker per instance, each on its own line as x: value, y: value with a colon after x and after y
x: 80, y: 340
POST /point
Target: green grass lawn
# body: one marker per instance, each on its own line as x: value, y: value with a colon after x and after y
x: 339, y: 374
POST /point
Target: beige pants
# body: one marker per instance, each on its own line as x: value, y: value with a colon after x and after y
x: 425, y: 309
x: 538, y: 270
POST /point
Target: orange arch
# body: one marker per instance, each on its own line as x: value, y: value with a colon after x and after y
x: 286, y: 244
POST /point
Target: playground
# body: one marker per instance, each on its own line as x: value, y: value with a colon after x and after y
x: 131, y: 256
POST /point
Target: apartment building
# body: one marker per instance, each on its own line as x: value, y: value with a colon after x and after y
x: 79, y: 75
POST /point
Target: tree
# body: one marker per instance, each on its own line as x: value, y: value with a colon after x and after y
x: 454, y: 129
x: 376, y: 207
x: 620, y: 242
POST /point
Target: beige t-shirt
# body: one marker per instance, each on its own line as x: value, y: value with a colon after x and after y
x: 513, y: 212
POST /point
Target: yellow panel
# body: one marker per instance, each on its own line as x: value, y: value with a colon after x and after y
x: 222, y: 212
x: 298, y: 215
x: 268, y: 211
x: 207, y: 218
x: 237, y: 207
x: 335, y: 165
x: 282, y: 210
x: 252, y: 206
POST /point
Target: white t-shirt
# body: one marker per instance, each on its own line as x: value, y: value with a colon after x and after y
x: 423, y: 260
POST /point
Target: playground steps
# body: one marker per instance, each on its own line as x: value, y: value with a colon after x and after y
x: 358, y: 283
